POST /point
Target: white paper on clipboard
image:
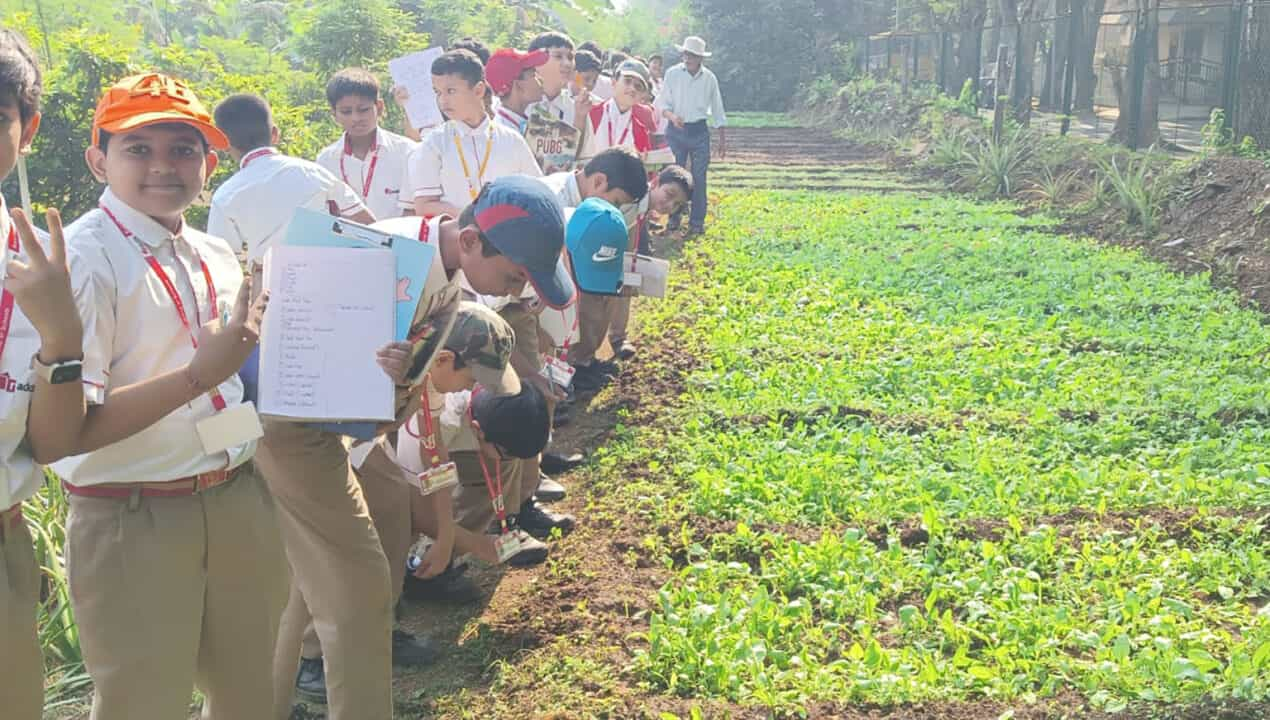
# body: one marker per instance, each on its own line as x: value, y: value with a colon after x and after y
x: 414, y: 73
x: 653, y: 273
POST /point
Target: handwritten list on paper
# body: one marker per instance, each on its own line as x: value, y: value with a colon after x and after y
x: 330, y: 309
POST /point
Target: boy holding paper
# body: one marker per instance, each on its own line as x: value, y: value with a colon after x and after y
x: 456, y: 159
x: 511, y: 234
x: 409, y: 496
x: 177, y: 577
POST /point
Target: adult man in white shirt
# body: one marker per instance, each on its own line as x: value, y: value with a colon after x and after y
x: 689, y: 97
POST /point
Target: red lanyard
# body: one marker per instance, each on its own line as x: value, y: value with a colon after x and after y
x: 257, y: 153
x: 218, y: 401
x: 370, y: 173
x: 6, y: 301
x: 568, y: 338
x: 625, y: 133
x: 429, y: 436
x: 495, y: 484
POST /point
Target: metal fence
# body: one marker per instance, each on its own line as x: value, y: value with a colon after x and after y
x: 1089, y: 75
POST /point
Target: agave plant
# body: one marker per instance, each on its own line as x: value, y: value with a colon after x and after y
x: 996, y: 166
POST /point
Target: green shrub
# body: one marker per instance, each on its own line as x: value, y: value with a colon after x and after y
x: 1137, y: 189
x: 995, y: 166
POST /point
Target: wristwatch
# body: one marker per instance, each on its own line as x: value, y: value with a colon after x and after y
x: 66, y: 371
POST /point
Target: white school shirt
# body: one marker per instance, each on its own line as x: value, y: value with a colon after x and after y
x: 20, y: 477
x: 253, y: 208
x: 437, y: 169
x: 132, y: 333
x: 511, y: 119
x: 377, y: 178
x: 614, y: 122
x: 560, y: 107
x: 692, y: 97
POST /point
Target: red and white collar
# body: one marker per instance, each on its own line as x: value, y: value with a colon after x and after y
x: 256, y: 154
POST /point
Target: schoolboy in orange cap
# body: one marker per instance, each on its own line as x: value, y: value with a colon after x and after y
x: 174, y: 556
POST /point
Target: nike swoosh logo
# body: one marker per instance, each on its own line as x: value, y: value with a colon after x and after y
x: 604, y: 255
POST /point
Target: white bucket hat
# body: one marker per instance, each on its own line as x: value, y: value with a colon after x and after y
x: 695, y: 45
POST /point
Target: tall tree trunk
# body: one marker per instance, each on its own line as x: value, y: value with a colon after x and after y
x: 964, y: 61
x: 1087, y: 47
x: 1253, y: 117
x: 1146, y: 41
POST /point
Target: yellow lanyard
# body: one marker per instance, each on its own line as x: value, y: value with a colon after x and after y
x: 474, y: 189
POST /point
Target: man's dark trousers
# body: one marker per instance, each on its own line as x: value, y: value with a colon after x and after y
x: 691, y: 147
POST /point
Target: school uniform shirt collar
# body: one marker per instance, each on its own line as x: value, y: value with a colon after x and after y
x: 142, y: 226
x: 480, y: 131
x: 348, y: 145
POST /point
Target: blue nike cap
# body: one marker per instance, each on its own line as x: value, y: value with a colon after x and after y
x: 596, y: 238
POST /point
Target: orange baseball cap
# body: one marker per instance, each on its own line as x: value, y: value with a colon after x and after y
x: 141, y: 100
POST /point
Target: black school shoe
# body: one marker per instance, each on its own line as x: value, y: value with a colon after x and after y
x: 539, y: 522
x: 590, y: 378
x: 411, y: 651
x: 451, y: 586
x: 310, y: 682
x: 555, y: 463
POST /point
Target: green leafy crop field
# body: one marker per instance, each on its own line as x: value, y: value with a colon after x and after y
x: 938, y: 452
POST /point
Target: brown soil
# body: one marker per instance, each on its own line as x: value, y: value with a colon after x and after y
x: 1218, y: 222
x: 594, y: 596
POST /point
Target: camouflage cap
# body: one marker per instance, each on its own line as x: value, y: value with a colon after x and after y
x: 483, y: 341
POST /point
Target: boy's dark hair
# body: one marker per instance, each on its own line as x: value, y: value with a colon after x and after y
x: 352, y: 81
x: 463, y: 63
x: 246, y: 119
x: 21, y: 82
x: 592, y: 47
x: 549, y: 40
x: 474, y: 46
x: 585, y: 61
x: 624, y: 170
x: 467, y: 217
x: 655, y: 56
x: 678, y: 175
x: 519, y: 424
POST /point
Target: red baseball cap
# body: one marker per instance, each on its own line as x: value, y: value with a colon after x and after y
x: 506, y: 65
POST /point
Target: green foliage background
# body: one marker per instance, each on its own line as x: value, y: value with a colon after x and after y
x: 282, y: 49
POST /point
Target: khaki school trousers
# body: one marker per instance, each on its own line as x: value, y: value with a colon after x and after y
x: 388, y: 501
x: 340, y: 576
x: 176, y: 593
x: 529, y: 348
x: 621, y: 321
x: 21, y: 666
x: 473, y: 509
x: 595, y: 316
